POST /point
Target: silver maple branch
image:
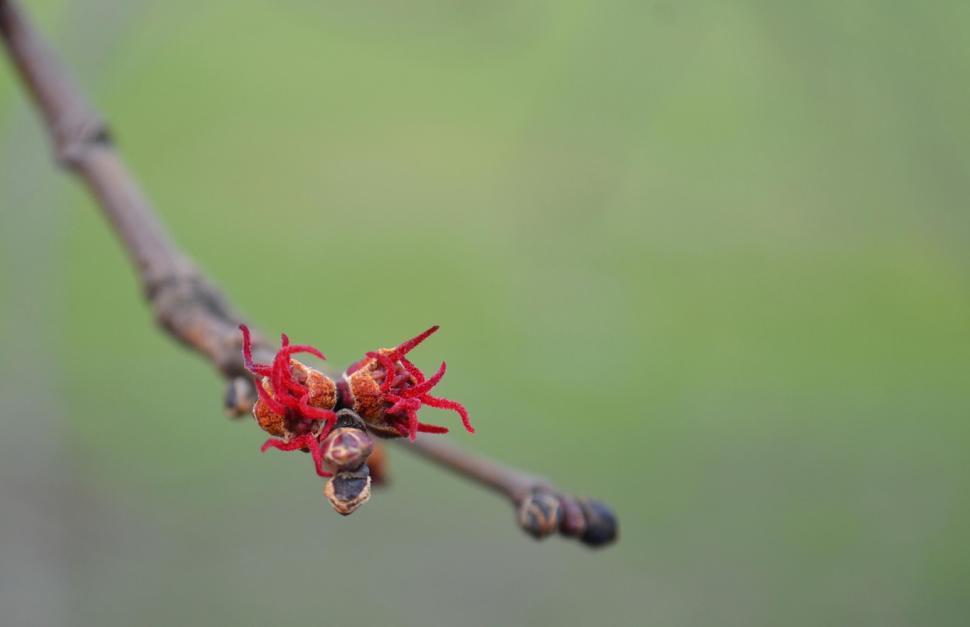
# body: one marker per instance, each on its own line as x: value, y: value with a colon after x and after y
x: 193, y: 311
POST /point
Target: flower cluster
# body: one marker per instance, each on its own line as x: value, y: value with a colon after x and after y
x: 299, y: 405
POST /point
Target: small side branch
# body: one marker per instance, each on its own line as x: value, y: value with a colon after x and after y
x: 193, y: 311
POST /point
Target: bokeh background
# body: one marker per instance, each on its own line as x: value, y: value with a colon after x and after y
x: 705, y: 260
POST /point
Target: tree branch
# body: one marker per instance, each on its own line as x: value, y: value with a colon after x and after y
x: 194, y: 312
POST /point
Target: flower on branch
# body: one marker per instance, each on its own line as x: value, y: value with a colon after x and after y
x: 301, y: 406
x: 295, y: 402
x: 386, y: 389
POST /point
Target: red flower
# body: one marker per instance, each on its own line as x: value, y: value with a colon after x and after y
x: 386, y: 389
x: 296, y: 402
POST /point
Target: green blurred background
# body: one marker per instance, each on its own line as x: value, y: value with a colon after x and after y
x: 705, y: 260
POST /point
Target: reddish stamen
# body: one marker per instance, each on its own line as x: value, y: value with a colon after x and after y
x: 406, y: 347
x: 413, y: 370
x: 425, y: 386
x: 444, y: 403
x: 426, y: 428
x: 283, y: 383
x: 316, y: 413
x: 274, y: 405
x: 389, y: 368
x: 412, y: 425
x: 318, y: 462
x: 257, y: 369
x: 297, y: 443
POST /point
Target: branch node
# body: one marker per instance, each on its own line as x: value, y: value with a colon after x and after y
x: 240, y: 397
x: 75, y: 134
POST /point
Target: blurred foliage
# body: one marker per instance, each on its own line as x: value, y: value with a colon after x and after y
x: 707, y: 261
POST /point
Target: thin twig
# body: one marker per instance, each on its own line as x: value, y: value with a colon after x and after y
x: 193, y: 311
x: 187, y: 305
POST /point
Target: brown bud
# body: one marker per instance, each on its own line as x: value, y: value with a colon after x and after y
x: 601, y: 524
x: 269, y: 421
x: 348, y: 418
x: 377, y: 462
x: 347, y: 490
x: 240, y: 396
x: 346, y: 448
x: 363, y: 389
x: 322, y: 393
x: 573, y: 523
x: 539, y: 514
x: 323, y: 390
